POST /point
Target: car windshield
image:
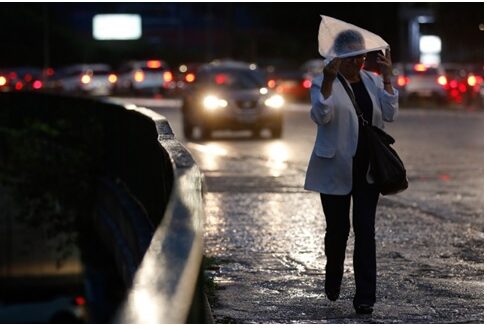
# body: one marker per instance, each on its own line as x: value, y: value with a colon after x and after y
x: 232, y: 79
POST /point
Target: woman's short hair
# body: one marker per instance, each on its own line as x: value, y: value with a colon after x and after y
x: 348, y: 41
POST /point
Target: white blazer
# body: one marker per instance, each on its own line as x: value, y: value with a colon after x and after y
x: 330, y: 165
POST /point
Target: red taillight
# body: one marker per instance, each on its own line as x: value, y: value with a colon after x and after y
x: 12, y: 75
x: 37, y: 84
x: 307, y: 83
x: 80, y: 301
x: 462, y: 88
x: 49, y: 72
x: 271, y: 83
x: 453, y: 84
x: 221, y: 79
x: 402, y: 81
x: 190, y: 77
x: 455, y: 93
x: 3, y: 81
x: 28, y: 77
x: 167, y: 76
x: 19, y: 85
x: 442, y: 80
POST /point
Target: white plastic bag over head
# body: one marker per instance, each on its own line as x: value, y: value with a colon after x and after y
x: 341, y: 39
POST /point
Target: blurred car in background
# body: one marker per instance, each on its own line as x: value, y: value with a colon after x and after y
x: 145, y: 77
x: 465, y: 83
x: 286, y: 78
x: 21, y: 79
x: 61, y: 309
x: 456, y: 82
x: 86, y: 79
x: 417, y: 82
x: 30, y: 78
x: 231, y: 95
x: 475, y: 86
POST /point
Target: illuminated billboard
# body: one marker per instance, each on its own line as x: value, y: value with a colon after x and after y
x: 117, y: 27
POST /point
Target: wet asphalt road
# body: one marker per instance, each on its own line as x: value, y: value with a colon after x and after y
x: 266, y: 233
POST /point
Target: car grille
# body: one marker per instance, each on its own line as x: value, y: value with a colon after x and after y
x: 247, y: 104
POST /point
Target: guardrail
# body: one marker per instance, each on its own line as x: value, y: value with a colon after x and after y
x: 143, y: 246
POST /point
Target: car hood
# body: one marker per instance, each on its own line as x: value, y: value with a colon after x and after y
x: 247, y: 94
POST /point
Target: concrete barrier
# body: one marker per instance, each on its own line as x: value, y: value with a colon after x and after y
x: 142, y: 246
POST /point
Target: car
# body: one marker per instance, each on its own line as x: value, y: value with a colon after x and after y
x: 21, y: 79
x: 86, y: 79
x: 417, y: 82
x: 29, y: 78
x: 231, y: 95
x: 59, y: 309
x: 145, y: 77
x: 287, y: 79
x: 456, y: 82
x: 475, y: 86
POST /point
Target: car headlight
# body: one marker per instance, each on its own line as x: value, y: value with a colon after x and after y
x: 212, y: 103
x: 275, y: 102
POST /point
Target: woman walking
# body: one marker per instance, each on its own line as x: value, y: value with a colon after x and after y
x: 338, y: 166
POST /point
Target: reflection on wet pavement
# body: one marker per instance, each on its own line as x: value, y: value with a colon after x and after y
x: 267, y: 233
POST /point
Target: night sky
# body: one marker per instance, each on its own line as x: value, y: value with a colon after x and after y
x: 60, y: 33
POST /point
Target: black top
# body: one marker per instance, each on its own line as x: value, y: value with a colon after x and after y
x: 363, y: 99
x: 361, y: 159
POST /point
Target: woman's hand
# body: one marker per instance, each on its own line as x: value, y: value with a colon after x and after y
x: 385, y: 64
x: 330, y: 72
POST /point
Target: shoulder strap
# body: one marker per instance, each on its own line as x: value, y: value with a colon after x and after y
x: 359, y: 112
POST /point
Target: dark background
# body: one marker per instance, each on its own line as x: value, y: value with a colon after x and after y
x: 53, y: 34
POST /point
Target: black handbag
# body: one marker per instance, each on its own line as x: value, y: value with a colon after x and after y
x: 386, y: 167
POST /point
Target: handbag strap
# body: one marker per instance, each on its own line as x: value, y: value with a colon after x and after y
x: 359, y: 112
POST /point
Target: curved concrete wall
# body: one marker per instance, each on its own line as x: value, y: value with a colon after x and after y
x: 146, y: 235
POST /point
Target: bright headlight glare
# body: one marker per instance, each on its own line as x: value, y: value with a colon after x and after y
x: 212, y: 102
x: 275, y: 101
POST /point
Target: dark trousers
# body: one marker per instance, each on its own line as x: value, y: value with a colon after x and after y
x: 337, y: 210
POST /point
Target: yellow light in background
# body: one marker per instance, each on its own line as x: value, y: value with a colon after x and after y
x: 112, y: 78
x: 419, y: 67
x: 3, y: 81
x: 167, y: 76
x: 183, y: 68
x: 85, y: 79
x: 153, y: 64
x: 139, y: 75
x: 471, y: 80
x: 190, y: 77
x: 277, y: 154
